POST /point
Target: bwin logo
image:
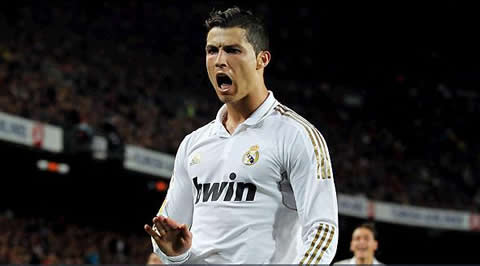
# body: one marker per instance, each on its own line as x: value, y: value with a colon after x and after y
x: 213, y: 191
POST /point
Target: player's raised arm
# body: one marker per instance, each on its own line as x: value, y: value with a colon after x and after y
x: 171, y: 237
x: 311, y: 177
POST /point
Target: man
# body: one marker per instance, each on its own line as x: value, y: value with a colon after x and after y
x: 363, y: 245
x: 255, y: 185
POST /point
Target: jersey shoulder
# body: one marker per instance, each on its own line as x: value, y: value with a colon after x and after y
x: 290, y: 121
x: 304, y: 140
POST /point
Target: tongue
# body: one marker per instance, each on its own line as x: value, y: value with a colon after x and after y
x: 225, y: 86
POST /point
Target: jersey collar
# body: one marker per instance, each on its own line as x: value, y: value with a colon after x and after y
x: 353, y: 261
x: 262, y: 111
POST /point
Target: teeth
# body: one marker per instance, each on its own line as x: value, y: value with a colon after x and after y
x: 224, y: 86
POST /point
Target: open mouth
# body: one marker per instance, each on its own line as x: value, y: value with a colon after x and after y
x: 223, y: 81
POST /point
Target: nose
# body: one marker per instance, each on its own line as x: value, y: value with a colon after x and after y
x: 220, y: 60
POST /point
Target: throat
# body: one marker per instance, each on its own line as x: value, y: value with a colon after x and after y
x: 231, y: 124
x: 238, y: 112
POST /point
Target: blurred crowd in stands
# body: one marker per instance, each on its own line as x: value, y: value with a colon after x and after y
x: 52, y: 241
x: 401, y: 125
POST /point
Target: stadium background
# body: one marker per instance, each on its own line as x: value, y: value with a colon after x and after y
x: 393, y: 88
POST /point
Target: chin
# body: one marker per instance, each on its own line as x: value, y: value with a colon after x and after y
x: 225, y: 98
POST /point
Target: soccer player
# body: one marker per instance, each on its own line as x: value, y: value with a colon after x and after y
x: 363, y: 245
x: 255, y: 185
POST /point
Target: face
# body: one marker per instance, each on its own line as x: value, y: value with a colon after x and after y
x: 363, y: 243
x: 231, y: 63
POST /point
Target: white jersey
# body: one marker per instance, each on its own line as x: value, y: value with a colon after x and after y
x: 264, y: 194
x: 352, y: 261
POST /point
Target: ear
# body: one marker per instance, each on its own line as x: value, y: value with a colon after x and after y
x: 263, y: 58
x: 375, y: 245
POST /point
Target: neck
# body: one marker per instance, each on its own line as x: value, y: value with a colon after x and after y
x: 368, y: 260
x: 237, y: 112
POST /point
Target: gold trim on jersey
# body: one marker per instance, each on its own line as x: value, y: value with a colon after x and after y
x: 324, y: 236
x: 326, y: 245
x: 323, y: 165
x: 284, y: 112
x: 160, y: 211
x: 317, y: 235
x: 327, y: 170
x: 326, y: 163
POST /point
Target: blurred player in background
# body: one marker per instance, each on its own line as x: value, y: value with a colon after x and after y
x: 363, y: 245
x: 256, y: 184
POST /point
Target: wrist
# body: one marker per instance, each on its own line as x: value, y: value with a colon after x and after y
x: 179, y: 258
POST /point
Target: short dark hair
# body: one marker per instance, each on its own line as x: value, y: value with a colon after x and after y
x: 369, y: 226
x: 256, y: 32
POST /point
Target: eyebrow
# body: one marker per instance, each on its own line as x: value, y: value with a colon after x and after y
x: 224, y: 47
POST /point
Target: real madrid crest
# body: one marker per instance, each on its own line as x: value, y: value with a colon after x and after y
x: 251, y: 156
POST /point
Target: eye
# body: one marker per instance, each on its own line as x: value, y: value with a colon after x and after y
x: 232, y: 50
x: 212, y: 50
